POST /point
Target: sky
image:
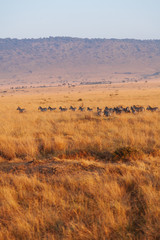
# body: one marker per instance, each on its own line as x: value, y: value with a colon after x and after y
x: 138, y: 19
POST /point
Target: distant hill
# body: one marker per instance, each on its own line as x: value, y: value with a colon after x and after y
x: 64, y: 59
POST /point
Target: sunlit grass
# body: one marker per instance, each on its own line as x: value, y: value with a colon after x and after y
x: 76, y: 175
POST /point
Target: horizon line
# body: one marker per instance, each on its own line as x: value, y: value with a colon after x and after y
x: 83, y: 38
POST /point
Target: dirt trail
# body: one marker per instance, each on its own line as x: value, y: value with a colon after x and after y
x: 51, y: 166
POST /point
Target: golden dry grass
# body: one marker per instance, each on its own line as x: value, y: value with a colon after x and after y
x: 76, y: 175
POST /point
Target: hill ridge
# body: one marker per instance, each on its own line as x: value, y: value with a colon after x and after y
x: 44, y: 59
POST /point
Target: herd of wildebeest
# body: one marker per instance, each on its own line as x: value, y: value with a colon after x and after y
x: 107, y: 111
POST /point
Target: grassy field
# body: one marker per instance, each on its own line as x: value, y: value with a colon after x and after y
x: 76, y: 175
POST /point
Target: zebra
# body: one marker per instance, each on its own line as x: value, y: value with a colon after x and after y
x: 99, y: 109
x: 42, y: 109
x: 152, y: 109
x: 107, y: 113
x: 51, y: 109
x: 89, y: 109
x: 63, y: 109
x: 82, y: 109
x: 133, y: 110
x: 127, y: 110
x: 109, y: 109
x: 138, y: 108
x: 73, y: 108
x: 99, y: 113
x: 118, y: 110
x: 21, y: 110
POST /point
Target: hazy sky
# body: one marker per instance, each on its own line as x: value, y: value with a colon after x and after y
x: 80, y: 18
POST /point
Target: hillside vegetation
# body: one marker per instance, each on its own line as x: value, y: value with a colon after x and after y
x: 64, y: 58
x: 76, y: 175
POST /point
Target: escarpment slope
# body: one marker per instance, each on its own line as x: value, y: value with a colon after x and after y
x: 60, y: 59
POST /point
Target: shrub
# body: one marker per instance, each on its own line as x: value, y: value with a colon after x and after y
x: 126, y: 154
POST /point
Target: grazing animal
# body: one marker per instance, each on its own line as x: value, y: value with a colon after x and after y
x: 51, y: 109
x: 21, y: 110
x: 127, y: 110
x: 89, y: 109
x: 82, y: 109
x: 107, y: 113
x: 118, y: 110
x: 138, y: 108
x: 73, y: 108
x: 152, y: 109
x: 111, y: 110
x: 42, y: 109
x: 63, y: 109
x: 133, y: 110
x: 99, y: 113
x: 99, y: 109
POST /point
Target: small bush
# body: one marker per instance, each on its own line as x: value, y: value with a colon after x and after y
x: 155, y: 152
x: 126, y: 154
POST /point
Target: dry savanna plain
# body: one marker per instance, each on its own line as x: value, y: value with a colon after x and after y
x: 75, y: 175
